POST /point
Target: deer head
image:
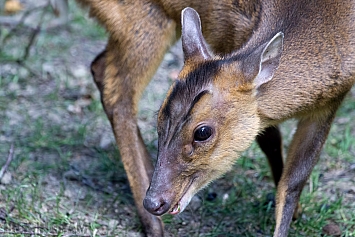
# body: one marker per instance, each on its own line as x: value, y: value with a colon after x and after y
x: 209, y: 117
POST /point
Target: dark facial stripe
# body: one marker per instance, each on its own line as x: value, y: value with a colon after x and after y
x: 187, y: 116
x: 184, y: 91
x: 196, y: 99
x: 184, y: 96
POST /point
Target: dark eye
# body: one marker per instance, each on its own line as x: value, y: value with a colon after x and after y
x: 203, y: 133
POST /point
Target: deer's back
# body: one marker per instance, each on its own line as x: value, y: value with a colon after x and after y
x: 318, y: 62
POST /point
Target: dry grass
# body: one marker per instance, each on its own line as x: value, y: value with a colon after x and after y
x: 66, y: 177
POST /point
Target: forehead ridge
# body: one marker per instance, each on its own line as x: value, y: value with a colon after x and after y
x: 186, y: 89
x: 184, y: 94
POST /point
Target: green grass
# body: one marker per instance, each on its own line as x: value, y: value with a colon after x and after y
x: 64, y: 182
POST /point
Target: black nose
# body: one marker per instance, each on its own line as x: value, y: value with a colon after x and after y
x: 156, y: 205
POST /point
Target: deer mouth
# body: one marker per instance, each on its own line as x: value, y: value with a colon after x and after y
x: 176, y: 209
x: 184, y: 200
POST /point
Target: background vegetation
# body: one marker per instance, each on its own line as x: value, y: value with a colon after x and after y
x: 66, y: 179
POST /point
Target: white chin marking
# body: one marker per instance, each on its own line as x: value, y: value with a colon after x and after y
x: 184, y: 201
x: 182, y: 204
x: 176, y: 209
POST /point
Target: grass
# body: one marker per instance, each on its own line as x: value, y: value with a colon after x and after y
x: 66, y: 175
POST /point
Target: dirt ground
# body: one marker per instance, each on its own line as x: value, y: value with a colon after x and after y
x: 66, y: 178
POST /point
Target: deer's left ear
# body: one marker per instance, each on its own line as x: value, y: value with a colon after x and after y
x: 266, y: 60
x: 193, y: 42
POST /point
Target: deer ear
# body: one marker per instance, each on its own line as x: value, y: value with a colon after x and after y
x: 193, y: 43
x: 267, y: 58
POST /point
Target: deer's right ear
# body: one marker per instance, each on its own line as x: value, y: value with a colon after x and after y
x: 193, y: 43
x: 261, y: 65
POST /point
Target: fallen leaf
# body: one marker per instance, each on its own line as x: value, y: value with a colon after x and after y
x: 331, y: 229
x: 6, y: 179
x: 12, y: 7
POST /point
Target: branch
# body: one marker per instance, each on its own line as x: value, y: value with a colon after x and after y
x: 18, y: 22
x: 30, y: 43
x: 9, y: 159
x: 33, y: 35
x: 40, y: 234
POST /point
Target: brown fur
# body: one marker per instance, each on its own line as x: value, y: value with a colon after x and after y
x: 314, y: 74
x: 307, y: 81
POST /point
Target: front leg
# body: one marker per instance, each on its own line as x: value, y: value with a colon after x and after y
x: 303, y: 155
x: 121, y: 73
x: 134, y: 155
x: 270, y: 142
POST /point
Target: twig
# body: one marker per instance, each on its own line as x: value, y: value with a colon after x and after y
x: 20, y: 22
x: 340, y: 175
x: 22, y: 63
x: 40, y: 234
x: 88, y: 181
x: 30, y: 43
x: 9, y: 159
x: 4, y: 214
x: 13, y: 22
x: 34, y: 34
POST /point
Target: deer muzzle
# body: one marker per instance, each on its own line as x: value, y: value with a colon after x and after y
x: 169, y: 192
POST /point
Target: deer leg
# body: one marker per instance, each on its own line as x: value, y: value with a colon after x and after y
x: 121, y: 76
x: 302, y: 156
x: 270, y: 142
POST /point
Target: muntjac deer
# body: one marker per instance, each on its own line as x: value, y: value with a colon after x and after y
x: 256, y: 64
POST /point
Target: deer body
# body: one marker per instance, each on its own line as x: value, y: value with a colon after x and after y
x: 282, y: 59
x: 317, y: 62
x: 298, y: 63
